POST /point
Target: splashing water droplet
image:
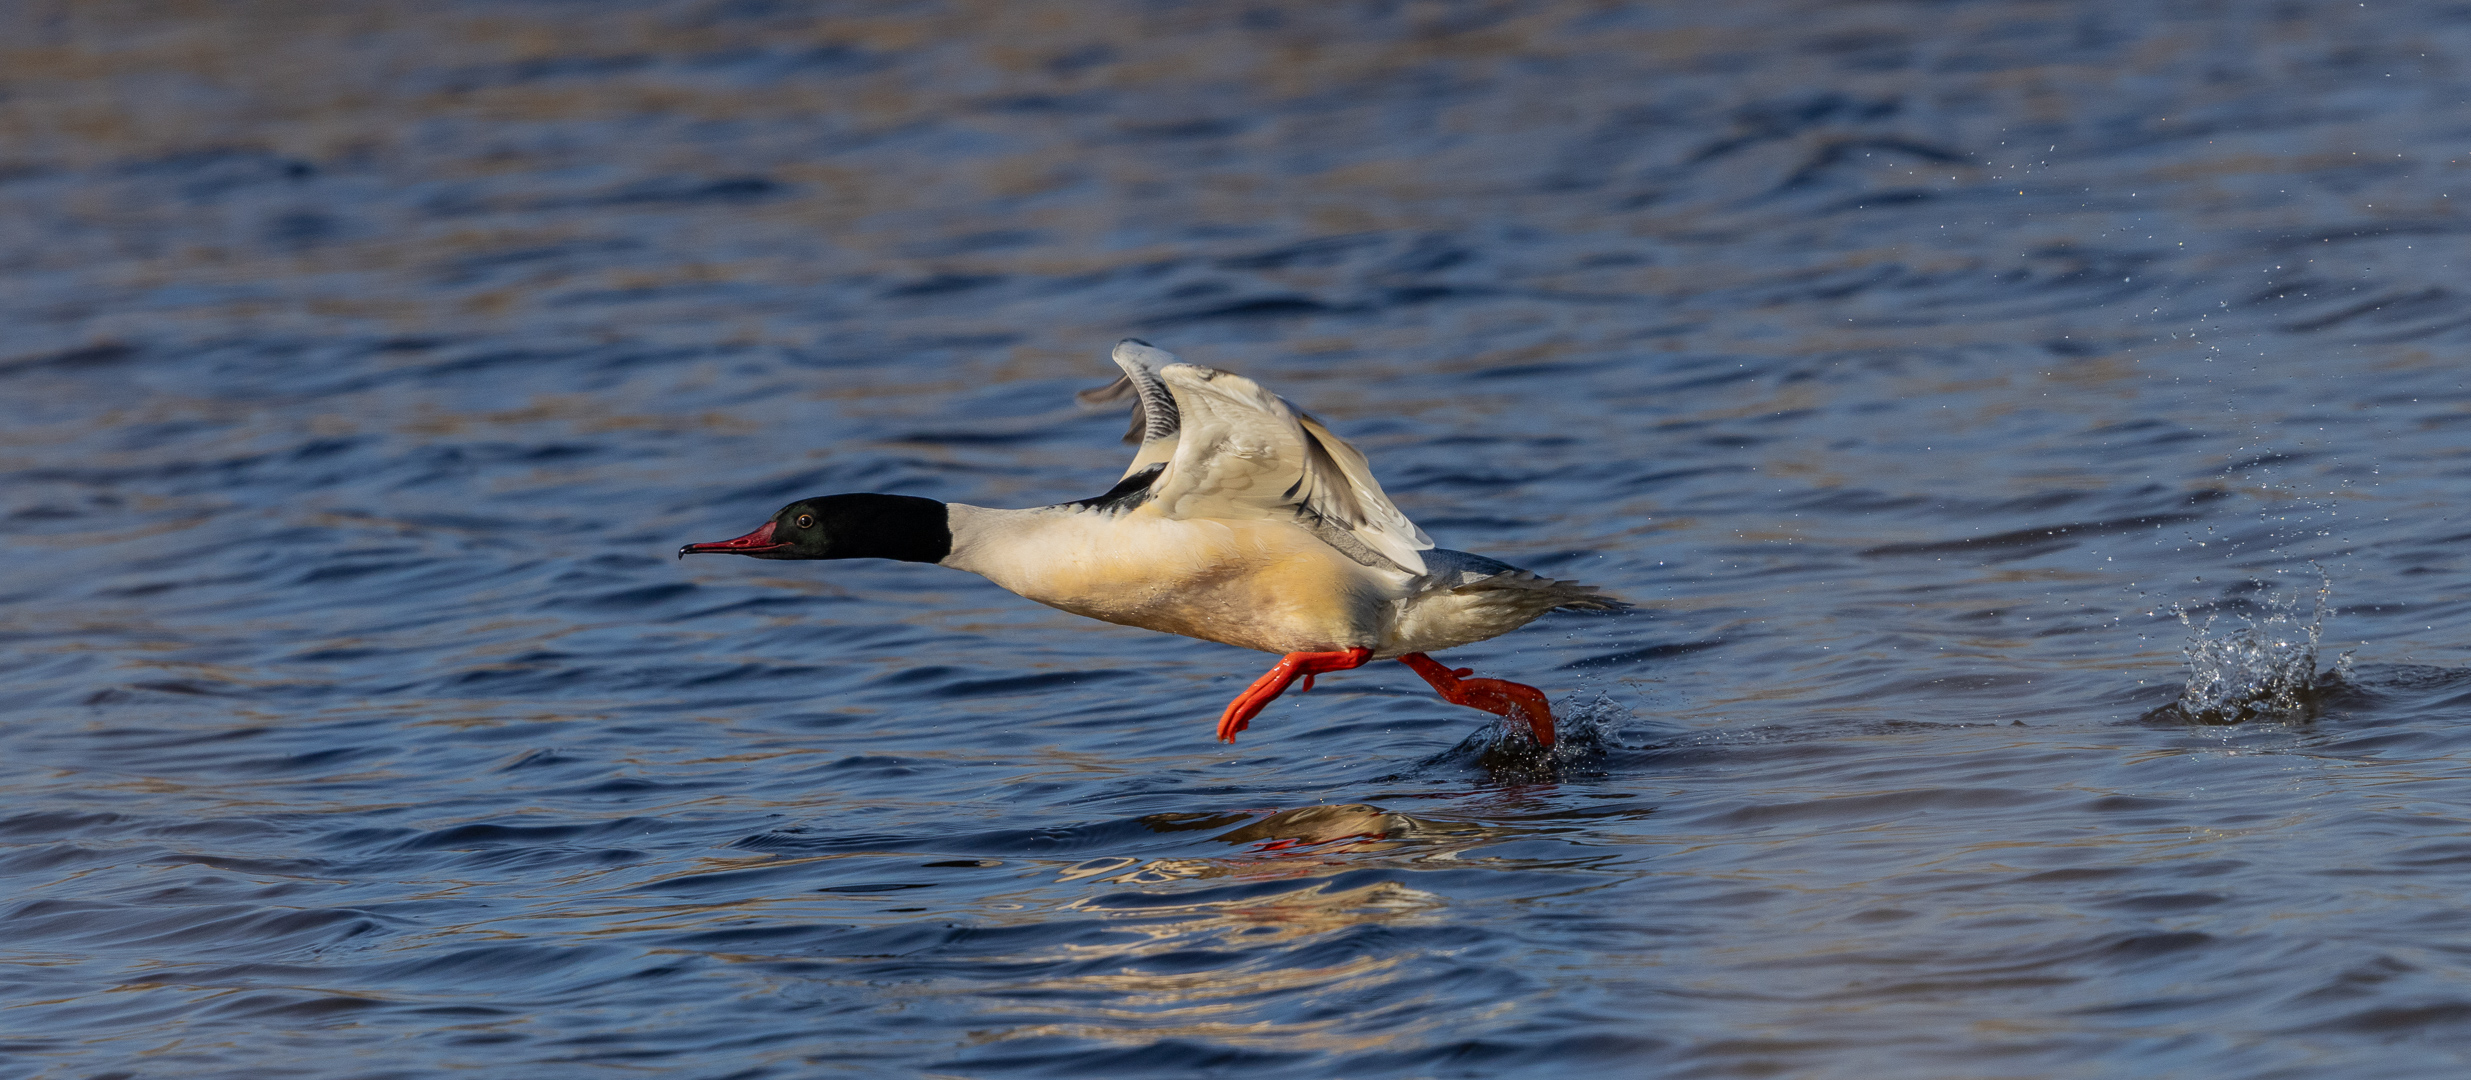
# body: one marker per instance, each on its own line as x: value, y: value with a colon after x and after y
x: 1504, y: 751
x: 2266, y: 666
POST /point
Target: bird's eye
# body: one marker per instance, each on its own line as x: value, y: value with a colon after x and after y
x: 806, y: 521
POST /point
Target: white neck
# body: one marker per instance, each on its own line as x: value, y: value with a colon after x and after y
x: 985, y: 539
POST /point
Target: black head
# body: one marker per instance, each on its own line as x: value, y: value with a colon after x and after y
x: 845, y: 527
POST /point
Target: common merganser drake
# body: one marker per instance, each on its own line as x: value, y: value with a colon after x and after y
x: 1242, y: 521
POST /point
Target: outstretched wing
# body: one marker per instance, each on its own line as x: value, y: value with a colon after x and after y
x: 1155, y: 420
x: 1245, y: 453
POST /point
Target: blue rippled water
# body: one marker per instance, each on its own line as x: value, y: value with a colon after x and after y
x: 1975, y: 398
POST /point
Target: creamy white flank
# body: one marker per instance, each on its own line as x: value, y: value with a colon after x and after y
x: 1260, y: 584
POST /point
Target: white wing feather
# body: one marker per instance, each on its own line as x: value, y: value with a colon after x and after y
x: 1244, y: 453
x: 1155, y: 420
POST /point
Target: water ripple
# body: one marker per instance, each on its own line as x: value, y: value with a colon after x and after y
x: 1972, y: 398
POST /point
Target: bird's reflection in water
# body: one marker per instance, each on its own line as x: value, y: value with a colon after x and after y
x: 1148, y: 989
x: 1282, y: 913
x: 1188, y: 970
x: 1293, y: 843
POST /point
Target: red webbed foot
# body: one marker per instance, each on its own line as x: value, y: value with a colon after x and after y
x: 1270, y: 685
x: 1497, y: 696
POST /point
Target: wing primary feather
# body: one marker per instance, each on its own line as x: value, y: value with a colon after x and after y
x: 1100, y: 395
x: 1156, y: 421
x: 1141, y: 361
x: 1118, y: 390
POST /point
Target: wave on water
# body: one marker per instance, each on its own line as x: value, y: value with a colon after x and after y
x: 2264, y: 667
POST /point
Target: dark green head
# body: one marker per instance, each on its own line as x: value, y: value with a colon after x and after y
x: 845, y: 527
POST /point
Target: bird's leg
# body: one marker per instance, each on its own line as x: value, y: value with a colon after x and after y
x: 1294, y: 665
x: 1496, y: 696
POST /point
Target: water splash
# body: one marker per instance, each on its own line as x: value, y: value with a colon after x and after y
x: 1506, y: 753
x: 2265, y: 666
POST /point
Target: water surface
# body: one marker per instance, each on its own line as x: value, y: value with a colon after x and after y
x: 1930, y: 375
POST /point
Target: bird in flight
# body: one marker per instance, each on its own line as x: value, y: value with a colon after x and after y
x: 1242, y: 521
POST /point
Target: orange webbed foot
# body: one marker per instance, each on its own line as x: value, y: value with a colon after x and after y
x: 1267, y: 688
x: 1500, y: 697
